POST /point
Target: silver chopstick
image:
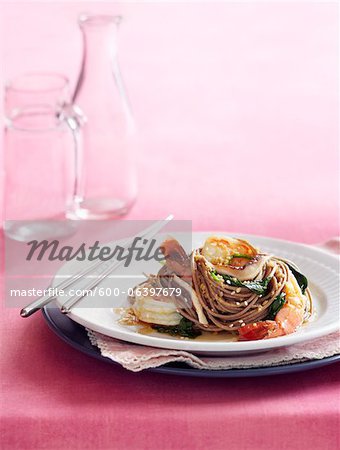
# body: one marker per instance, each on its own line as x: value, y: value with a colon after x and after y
x: 151, y: 232
x: 40, y: 302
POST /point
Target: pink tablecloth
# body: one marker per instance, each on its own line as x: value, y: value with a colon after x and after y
x: 57, y: 398
x: 237, y: 109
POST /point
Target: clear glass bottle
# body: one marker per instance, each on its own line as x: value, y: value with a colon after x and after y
x: 108, y: 171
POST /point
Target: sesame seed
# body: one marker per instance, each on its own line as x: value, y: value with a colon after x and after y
x: 243, y: 325
x: 245, y: 303
x: 238, y: 290
x: 238, y: 303
x: 231, y: 325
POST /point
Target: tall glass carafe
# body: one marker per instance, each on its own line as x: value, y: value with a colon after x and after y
x: 108, y: 173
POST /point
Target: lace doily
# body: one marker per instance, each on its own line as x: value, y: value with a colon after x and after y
x: 138, y: 357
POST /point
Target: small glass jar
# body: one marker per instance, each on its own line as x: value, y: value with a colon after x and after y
x: 41, y: 153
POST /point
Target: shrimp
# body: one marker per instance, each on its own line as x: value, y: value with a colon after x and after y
x: 233, y: 257
x: 289, y: 318
x: 179, y: 263
x: 176, y: 258
x: 228, y: 251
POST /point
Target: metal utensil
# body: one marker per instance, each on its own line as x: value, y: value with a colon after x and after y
x: 40, y: 302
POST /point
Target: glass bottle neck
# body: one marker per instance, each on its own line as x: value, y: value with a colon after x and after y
x: 100, y: 92
x: 99, y: 52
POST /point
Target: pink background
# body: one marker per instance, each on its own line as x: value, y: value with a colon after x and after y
x: 236, y: 105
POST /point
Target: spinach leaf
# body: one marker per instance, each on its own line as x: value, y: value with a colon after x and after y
x: 185, y: 328
x: 258, y: 287
x: 240, y: 255
x: 232, y: 281
x: 216, y: 277
x: 300, y: 278
x: 276, y: 306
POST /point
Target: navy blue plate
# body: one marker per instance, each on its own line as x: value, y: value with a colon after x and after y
x: 76, y: 336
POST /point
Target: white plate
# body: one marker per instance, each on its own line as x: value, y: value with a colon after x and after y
x: 321, y: 269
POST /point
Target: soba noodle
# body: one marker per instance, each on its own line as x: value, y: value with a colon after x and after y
x: 226, y: 307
